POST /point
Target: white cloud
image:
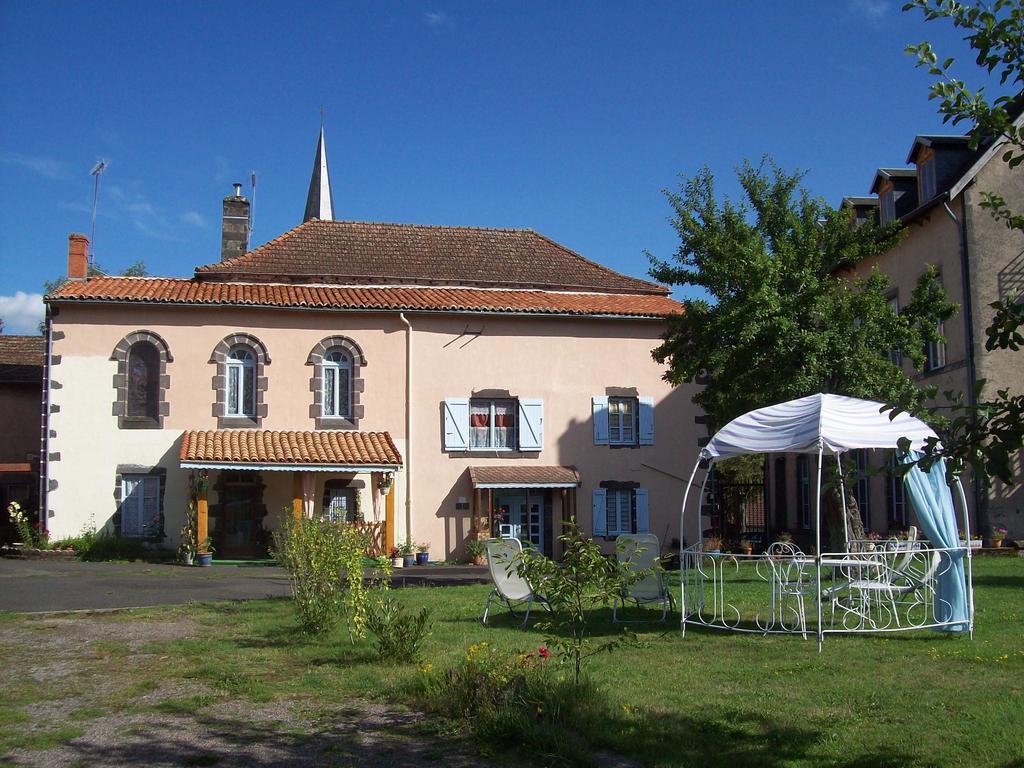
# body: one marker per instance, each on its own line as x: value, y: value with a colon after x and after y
x: 872, y: 10
x: 21, y: 312
x: 193, y: 218
x: 437, y: 19
x: 46, y: 167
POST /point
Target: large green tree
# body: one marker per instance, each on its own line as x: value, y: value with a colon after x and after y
x: 784, y: 318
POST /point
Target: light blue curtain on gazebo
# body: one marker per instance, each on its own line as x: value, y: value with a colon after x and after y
x: 933, y: 502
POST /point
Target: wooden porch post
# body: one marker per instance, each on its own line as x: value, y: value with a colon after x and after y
x: 297, y: 495
x: 202, y: 514
x: 476, y: 529
x: 389, y: 518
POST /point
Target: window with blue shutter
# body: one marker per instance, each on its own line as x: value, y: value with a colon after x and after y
x: 600, y: 420
x: 456, y: 424
x: 600, y: 519
x: 531, y: 424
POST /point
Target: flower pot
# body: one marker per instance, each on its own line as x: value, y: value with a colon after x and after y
x: 186, y: 559
x: 995, y: 543
x: 396, y: 562
x: 479, y: 560
x: 408, y: 561
x: 422, y: 558
x: 204, y: 559
x: 747, y: 550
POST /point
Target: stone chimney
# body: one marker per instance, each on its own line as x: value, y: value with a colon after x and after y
x: 78, y: 256
x: 235, y: 228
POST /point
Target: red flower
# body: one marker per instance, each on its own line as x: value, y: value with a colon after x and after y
x: 543, y: 652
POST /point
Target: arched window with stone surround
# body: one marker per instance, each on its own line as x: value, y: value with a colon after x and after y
x: 337, y: 384
x: 240, y: 383
x: 141, y: 381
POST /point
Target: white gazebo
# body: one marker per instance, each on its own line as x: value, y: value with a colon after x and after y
x: 868, y: 587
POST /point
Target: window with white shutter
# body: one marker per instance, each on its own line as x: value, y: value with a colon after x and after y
x: 140, y: 505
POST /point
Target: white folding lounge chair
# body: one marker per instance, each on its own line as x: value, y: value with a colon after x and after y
x: 503, y: 558
x: 642, y: 552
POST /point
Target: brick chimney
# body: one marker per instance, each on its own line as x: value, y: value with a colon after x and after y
x: 78, y: 256
x: 235, y: 228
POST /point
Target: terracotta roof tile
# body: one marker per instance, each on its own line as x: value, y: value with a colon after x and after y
x: 258, y: 446
x: 522, y: 475
x: 350, y: 252
x: 161, y: 290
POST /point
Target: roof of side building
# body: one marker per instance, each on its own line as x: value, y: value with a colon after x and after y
x: 366, y: 253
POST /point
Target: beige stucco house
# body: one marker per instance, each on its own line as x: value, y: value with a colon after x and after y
x: 418, y: 377
x: 937, y: 200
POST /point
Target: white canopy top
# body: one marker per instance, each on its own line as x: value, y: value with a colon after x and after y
x: 838, y: 423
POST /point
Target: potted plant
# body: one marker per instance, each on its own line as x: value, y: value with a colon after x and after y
x: 785, y: 537
x: 396, y: 557
x: 998, y: 534
x: 423, y: 553
x: 204, y: 556
x: 408, y: 554
x: 713, y: 545
x: 746, y: 547
x: 476, y: 551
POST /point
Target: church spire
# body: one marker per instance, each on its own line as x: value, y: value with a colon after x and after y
x: 319, y: 201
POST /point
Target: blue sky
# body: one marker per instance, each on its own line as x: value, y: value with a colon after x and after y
x: 569, y: 118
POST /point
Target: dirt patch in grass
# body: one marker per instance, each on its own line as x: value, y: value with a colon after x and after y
x: 94, y: 689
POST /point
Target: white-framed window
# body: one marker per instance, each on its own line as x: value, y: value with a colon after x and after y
x: 140, y: 504
x: 492, y: 425
x: 620, y: 510
x: 926, y: 179
x: 337, y: 384
x: 935, y: 352
x: 803, y: 490
x: 888, y: 206
x: 622, y: 420
x: 241, y: 383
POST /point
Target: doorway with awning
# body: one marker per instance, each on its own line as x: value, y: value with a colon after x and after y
x: 524, y: 502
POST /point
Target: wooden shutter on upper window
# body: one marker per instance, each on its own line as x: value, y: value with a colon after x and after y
x: 456, y: 424
x: 600, y: 420
x: 531, y: 424
x: 646, y: 421
x: 600, y: 513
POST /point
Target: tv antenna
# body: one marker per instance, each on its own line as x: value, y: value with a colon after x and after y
x: 96, y: 172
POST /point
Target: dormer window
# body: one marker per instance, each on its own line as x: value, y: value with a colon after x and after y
x: 926, y: 178
x: 888, y: 205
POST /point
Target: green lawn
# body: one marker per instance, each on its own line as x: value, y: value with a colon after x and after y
x: 711, y: 699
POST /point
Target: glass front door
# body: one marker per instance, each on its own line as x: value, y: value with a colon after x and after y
x: 521, y: 516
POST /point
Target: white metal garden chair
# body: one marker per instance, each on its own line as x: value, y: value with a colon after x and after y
x: 790, y: 580
x: 642, y: 552
x: 503, y: 559
x: 897, y: 580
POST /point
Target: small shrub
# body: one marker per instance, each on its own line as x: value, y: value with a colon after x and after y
x: 513, y: 699
x: 325, y: 562
x: 585, y: 579
x: 105, y: 546
x: 399, y: 634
